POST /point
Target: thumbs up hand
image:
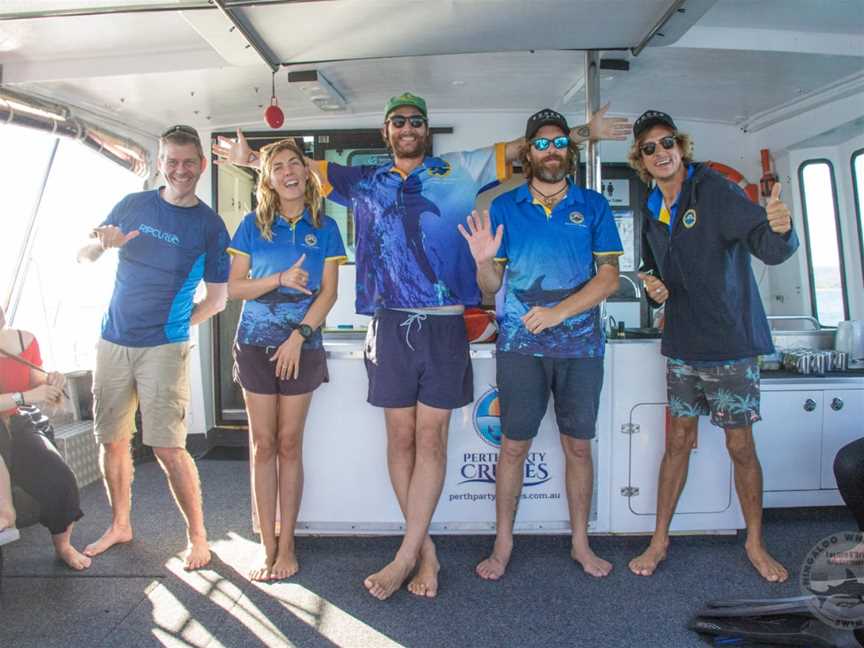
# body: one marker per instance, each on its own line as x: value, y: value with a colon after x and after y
x: 779, y: 216
x: 295, y: 277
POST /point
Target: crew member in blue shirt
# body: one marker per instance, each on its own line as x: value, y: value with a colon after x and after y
x: 169, y: 242
x: 556, y: 248
x: 415, y: 276
x: 286, y: 256
x: 698, y: 233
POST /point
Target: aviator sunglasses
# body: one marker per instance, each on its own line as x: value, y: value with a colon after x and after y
x: 398, y: 121
x: 542, y: 143
x: 648, y: 148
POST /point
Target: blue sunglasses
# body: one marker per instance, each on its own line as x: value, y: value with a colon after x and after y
x: 542, y: 143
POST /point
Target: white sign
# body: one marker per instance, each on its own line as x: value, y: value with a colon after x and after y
x: 617, y: 192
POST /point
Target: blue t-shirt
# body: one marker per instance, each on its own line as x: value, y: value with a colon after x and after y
x: 159, y: 270
x: 269, y: 319
x: 409, y: 252
x: 550, y: 256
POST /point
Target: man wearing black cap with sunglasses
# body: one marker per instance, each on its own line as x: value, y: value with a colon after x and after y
x: 168, y: 243
x: 559, y: 247
x: 698, y: 232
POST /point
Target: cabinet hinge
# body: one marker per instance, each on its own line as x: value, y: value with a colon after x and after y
x: 630, y: 428
x: 629, y: 491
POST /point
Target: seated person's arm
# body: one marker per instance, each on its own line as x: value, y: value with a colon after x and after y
x: 7, y: 508
x: 215, y: 297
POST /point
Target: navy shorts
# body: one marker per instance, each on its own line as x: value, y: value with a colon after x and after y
x: 729, y: 391
x: 255, y: 373
x: 524, y: 385
x: 413, y: 358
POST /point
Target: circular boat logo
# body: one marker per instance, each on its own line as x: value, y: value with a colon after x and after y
x: 689, y: 218
x: 577, y: 218
x: 487, y: 418
x: 832, y: 576
x: 311, y: 240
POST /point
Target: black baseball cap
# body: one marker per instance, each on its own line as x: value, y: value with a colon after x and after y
x: 649, y: 119
x: 545, y: 117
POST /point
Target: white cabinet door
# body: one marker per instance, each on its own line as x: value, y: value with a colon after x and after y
x: 789, y: 439
x: 842, y: 422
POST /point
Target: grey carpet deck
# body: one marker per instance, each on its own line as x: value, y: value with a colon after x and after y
x: 137, y: 595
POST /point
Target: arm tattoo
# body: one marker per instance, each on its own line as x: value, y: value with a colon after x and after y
x: 583, y: 131
x: 607, y: 259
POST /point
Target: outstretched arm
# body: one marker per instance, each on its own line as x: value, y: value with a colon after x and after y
x: 599, y: 128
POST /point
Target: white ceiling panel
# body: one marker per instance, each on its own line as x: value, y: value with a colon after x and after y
x: 825, y: 16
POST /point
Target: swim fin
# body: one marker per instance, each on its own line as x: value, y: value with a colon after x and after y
x: 774, y: 630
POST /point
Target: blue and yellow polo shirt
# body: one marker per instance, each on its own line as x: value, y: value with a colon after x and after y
x: 658, y: 208
x: 269, y: 319
x: 409, y: 252
x: 549, y: 256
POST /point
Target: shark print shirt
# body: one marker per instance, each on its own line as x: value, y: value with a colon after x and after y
x: 549, y: 255
x: 159, y: 270
x: 269, y: 319
x: 409, y: 252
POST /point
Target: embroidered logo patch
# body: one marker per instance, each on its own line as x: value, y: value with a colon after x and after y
x: 689, y: 218
x: 576, y: 218
x: 442, y: 170
x: 311, y: 240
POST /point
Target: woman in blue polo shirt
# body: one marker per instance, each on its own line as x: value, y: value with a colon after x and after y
x: 285, y: 258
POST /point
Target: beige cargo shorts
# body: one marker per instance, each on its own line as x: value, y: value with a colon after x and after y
x: 154, y: 377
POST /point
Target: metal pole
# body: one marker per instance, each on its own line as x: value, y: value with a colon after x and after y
x: 592, y: 104
x: 252, y: 37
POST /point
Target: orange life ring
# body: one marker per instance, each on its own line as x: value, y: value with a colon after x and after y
x: 732, y: 175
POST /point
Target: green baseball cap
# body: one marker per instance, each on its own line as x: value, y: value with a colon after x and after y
x: 406, y: 99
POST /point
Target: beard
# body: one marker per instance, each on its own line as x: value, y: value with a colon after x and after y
x: 551, y: 174
x: 416, y: 149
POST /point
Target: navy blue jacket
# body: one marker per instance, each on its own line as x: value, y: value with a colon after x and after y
x: 714, y: 311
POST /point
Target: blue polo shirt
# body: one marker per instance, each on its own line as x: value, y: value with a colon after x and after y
x: 658, y: 209
x: 549, y: 256
x: 269, y: 319
x: 159, y: 270
x: 409, y: 252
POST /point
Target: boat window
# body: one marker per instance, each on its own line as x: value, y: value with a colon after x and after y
x: 62, y: 301
x: 823, y: 243
x: 857, y: 163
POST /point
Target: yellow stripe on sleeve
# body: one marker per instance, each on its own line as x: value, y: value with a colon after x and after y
x: 232, y: 251
x: 338, y: 259
x: 503, y: 170
x: 614, y: 253
x: 501, y: 260
x: 320, y: 169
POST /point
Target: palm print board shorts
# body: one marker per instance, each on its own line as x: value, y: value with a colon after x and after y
x: 728, y: 390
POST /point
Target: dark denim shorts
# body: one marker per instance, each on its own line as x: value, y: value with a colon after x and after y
x: 728, y: 391
x: 524, y: 385
x: 413, y: 358
x: 255, y: 373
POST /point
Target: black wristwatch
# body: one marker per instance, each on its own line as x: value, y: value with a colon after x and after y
x: 306, y: 331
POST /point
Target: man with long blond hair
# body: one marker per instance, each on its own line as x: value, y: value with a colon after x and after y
x: 415, y: 275
x: 285, y: 267
x: 698, y: 232
x: 169, y: 241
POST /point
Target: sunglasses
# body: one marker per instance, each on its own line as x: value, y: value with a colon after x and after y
x: 542, y: 143
x: 181, y: 128
x: 399, y: 121
x: 648, y: 148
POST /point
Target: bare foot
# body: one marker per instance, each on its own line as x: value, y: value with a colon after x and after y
x: 425, y: 581
x: 591, y: 562
x: 768, y: 568
x: 114, y: 535
x: 72, y: 557
x: 197, y: 555
x: 853, y: 556
x: 646, y: 563
x: 495, y: 565
x: 383, y: 583
x: 285, y: 566
x: 262, y: 571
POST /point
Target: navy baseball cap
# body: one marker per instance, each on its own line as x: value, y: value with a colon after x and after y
x: 651, y: 118
x: 545, y: 117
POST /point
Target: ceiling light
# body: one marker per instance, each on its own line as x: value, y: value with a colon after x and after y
x: 318, y: 90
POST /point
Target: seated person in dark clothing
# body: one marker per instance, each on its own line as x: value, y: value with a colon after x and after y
x: 26, y: 455
x: 849, y: 471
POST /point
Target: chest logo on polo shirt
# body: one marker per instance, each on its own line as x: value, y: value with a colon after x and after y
x: 689, y: 218
x: 310, y: 240
x: 442, y: 170
x: 577, y: 218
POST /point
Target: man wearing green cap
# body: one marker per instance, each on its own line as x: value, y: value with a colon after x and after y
x: 415, y: 274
